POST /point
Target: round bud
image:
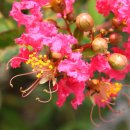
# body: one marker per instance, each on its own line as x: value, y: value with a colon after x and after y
x: 84, y: 22
x: 56, y: 55
x: 58, y: 6
x: 99, y: 45
x: 115, y: 38
x: 118, y: 61
x: 103, y: 31
x: 70, y: 17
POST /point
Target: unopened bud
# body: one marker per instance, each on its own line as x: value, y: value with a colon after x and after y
x: 56, y: 55
x: 84, y: 22
x: 115, y: 38
x: 100, y: 45
x: 58, y: 6
x: 118, y: 61
x: 70, y: 17
x: 103, y: 31
x: 118, y: 24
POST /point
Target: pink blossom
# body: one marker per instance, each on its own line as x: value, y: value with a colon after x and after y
x: 62, y: 43
x: 75, y: 68
x: 104, y: 6
x: 99, y: 63
x: 37, y: 35
x: 67, y: 86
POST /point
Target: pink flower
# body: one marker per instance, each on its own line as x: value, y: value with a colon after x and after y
x: 67, y: 86
x: 62, y: 43
x: 37, y: 35
x: 26, y: 19
x: 75, y: 67
x: 22, y: 57
x: 99, y: 63
x: 104, y: 6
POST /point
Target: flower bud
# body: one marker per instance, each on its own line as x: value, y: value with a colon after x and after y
x: 56, y: 55
x: 58, y: 6
x: 84, y: 22
x: 115, y: 38
x: 118, y: 61
x: 99, y: 45
x: 118, y: 24
x: 70, y: 17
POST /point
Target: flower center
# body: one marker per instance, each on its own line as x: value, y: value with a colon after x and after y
x: 40, y: 64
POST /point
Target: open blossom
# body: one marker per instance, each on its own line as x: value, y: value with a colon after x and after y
x: 75, y: 67
x: 67, y: 86
x: 101, y: 93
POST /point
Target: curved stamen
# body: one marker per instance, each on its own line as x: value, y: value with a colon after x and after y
x: 19, y: 75
x: 27, y: 91
x: 114, y: 111
x: 7, y: 65
x: 128, y: 98
x: 46, y: 101
x: 91, y: 117
x: 110, y: 103
x: 45, y: 90
x: 101, y: 118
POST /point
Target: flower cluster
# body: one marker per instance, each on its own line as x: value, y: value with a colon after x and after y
x: 59, y: 59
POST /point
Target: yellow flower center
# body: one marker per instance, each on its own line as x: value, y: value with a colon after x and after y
x: 41, y: 64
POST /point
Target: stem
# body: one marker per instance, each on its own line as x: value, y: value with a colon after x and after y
x: 67, y: 24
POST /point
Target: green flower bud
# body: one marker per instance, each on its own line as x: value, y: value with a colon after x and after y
x: 84, y: 22
x: 118, y: 61
x: 100, y: 45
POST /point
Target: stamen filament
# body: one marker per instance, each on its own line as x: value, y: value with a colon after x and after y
x: 114, y: 111
x: 27, y: 91
x: 91, y: 117
x: 19, y: 75
x: 46, y: 101
x: 101, y: 118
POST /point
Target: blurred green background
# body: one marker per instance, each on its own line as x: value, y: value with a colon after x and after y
x: 17, y: 113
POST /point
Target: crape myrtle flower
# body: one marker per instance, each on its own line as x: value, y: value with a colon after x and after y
x: 75, y: 67
x: 67, y: 86
x: 56, y: 54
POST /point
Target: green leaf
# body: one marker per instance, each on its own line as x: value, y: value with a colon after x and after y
x: 91, y: 7
x: 7, y: 37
